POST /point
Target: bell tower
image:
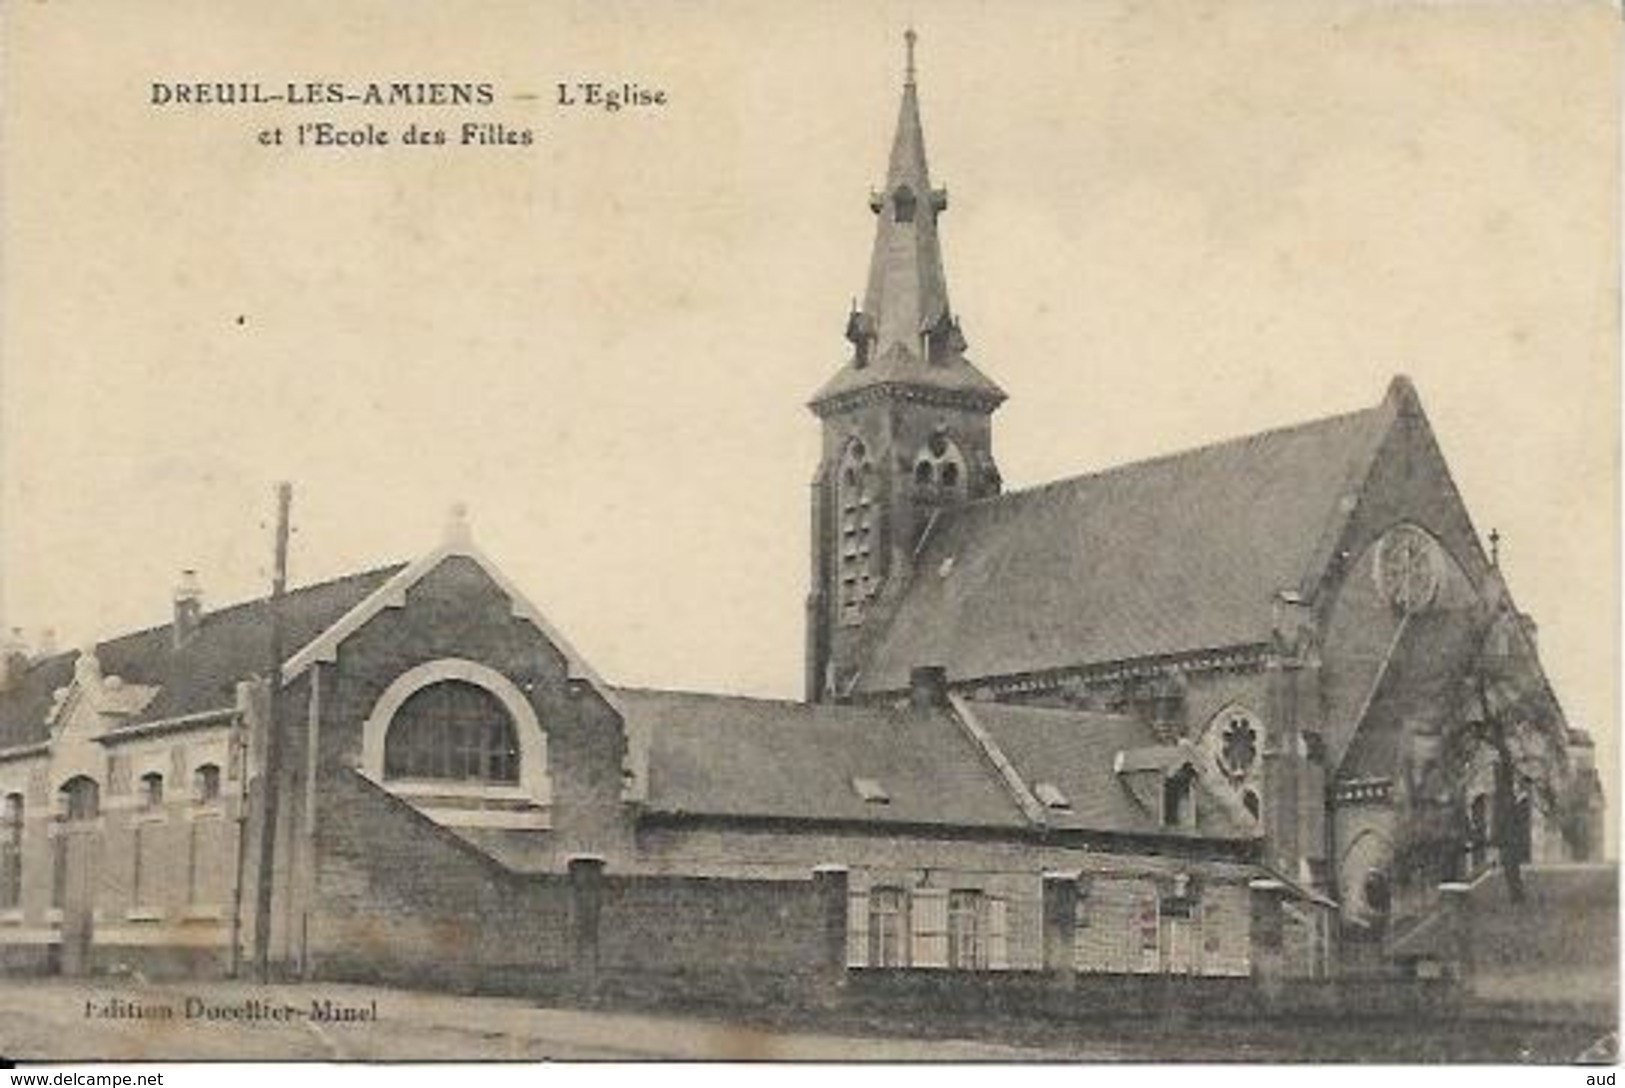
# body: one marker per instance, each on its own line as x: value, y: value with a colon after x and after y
x: 907, y: 420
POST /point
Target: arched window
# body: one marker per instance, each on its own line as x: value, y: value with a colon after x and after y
x: 11, y: 852
x: 152, y: 791
x: 1178, y: 808
x: 903, y: 202
x: 452, y: 731
x: 855, y: 484
x: 81, y: 799
x: 206, y: 784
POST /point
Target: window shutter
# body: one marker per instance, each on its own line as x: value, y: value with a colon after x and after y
x: 857, y: 929
x: 929, y: 910
x: 998, y: 946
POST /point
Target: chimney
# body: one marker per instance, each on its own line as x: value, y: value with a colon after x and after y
x: 13, y: 658
x: 188, y: 607
x: 928, y: 687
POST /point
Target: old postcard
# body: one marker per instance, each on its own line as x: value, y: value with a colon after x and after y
x: 841, y: 532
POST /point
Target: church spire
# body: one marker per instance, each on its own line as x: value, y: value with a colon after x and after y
x: 906, y: 333
x: 907, y: 297
x: 907, y: 421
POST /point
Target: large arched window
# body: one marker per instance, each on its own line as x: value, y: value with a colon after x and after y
x: 452, y: 731
x: 854, y: 487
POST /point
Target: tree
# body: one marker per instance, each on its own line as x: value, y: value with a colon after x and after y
x: 1506, y: 714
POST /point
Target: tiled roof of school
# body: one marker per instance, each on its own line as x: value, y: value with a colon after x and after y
x: 201, y: 674
x: 1178, y: 554
x: 729, y: 756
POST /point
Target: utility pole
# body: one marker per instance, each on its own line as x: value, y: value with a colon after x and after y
x: 271, y: 773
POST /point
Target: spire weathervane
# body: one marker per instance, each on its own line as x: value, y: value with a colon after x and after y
x: 909, y: 38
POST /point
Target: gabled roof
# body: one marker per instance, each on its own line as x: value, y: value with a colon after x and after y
x: 199, y: 676
x: 729, y: 756
x: 718, y: 755
x: 1076, y: 751
x: 1177, y: 554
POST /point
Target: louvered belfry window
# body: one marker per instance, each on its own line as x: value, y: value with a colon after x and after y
x: 855, y: 544
x: 452, y: 731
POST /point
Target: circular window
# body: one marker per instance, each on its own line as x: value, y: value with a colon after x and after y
x: 1406, y: 568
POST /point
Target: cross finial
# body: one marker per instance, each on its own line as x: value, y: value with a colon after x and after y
x: 909, y: 38
x: 458, y: 532
x: 1495, y: 547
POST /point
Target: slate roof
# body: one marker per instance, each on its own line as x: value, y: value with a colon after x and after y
x: 722, y: 755
x: 1428, y: 658
x: 231, y: 644
x: 1075, y: 750
x: 900, y: 366
x: 730, y: 756
x: 1180, y: 553
x: 907, y: 292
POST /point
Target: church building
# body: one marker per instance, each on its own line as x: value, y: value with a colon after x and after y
x: 1201, y: 714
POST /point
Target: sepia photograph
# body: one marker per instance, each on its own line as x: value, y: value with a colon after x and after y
x: 535, y: 530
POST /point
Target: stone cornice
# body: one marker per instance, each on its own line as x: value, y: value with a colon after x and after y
x: 1244, y: 658
x: 904, y: 391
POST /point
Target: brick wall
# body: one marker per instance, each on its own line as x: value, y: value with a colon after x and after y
x: 456, y: 611
x: 157, y: 880
x: 397, y: 896
x: 663, y: 923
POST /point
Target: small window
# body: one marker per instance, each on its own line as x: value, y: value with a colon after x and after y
x: 903, y: 202
x: 1051, y: 796
x: 152, y: 791
x: 81, y: 798
x: 888, y: 927
x: 922, y: 473
x: 1178, y: 809
x: 950, y: 475
x: 206, y: 784
x: 1249, y: 801
x: 1238, y: 745
x: 871, y: 791
x: 965, y: 945
x: 1376, y: 893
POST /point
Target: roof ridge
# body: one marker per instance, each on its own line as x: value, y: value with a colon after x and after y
x: 1161, y: 458
x: 639, y: 689
x: 238, y: 606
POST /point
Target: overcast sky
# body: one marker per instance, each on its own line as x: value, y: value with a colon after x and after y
x: 1171, y: 223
